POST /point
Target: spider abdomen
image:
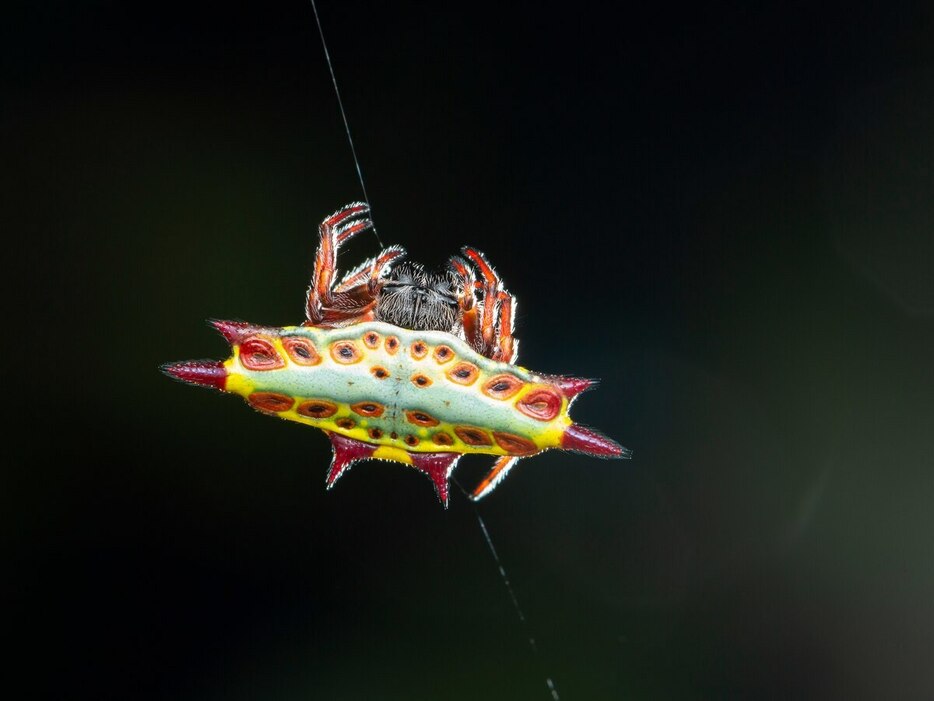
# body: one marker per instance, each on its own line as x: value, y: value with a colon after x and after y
x: 415, y: 391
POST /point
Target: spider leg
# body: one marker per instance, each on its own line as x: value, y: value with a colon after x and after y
x: 494, y: 337
x: 354, y: 298
x: 507, y: 347
x: 370, y: 271
x: 380, y: 264
x: 354, y: 278
x: 467, y: 301
x: 496, y: 474
x: 335, y: 230
x: 490, y: 285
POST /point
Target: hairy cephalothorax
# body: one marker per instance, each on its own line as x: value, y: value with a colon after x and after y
x: 414, y: 298
x: 396, y: 363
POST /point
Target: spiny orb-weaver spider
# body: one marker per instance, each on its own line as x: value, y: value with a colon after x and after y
x: 403, y: 365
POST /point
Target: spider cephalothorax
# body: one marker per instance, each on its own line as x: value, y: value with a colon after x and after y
x: 413, y: 298
x: 398, y: 364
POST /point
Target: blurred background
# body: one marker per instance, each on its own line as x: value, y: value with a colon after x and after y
x: 723, y: 211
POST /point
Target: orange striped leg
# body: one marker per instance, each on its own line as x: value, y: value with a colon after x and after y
x: 354, y: 298
x: 491, y: 288
x: 370, y: 271
x: 467, y: 302
x: 502, y: 465
x: 333, y: 231
x: 507, y: 347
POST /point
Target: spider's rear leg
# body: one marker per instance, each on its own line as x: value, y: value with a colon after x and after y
x: 496, y: 474
x: 335, y: 230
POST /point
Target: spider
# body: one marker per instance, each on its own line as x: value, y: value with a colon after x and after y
x: 480, y: 311
x: 400, y: 364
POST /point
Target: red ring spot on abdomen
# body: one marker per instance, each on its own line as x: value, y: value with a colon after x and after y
x: 379, y: 372
x: 502, y: 386
x: 420, y: 380
x: 346, y: 423
x: 473, y: 436
x: 346, y: 352
x: 259, y: 354
x: 301, y: 351
x: 515, y: 445
x: 419, y: 350
x: 392, y: 345
x: 541, y: 404
x: 317, y: 408
x: 420, y: 418
x: 371, y: 339
x: 441, y: 438
x: 443, y: 354
x: 270, y: 401
x: 463, y: 374
x: 373, y: 409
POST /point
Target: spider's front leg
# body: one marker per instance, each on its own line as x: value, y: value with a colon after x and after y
x: 354, y: 298
x: 466, y: 300
x: 489, y: 328
x: 369, y: 273
x: 334, y: 230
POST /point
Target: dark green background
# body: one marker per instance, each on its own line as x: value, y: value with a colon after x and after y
x: 723, y: 211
